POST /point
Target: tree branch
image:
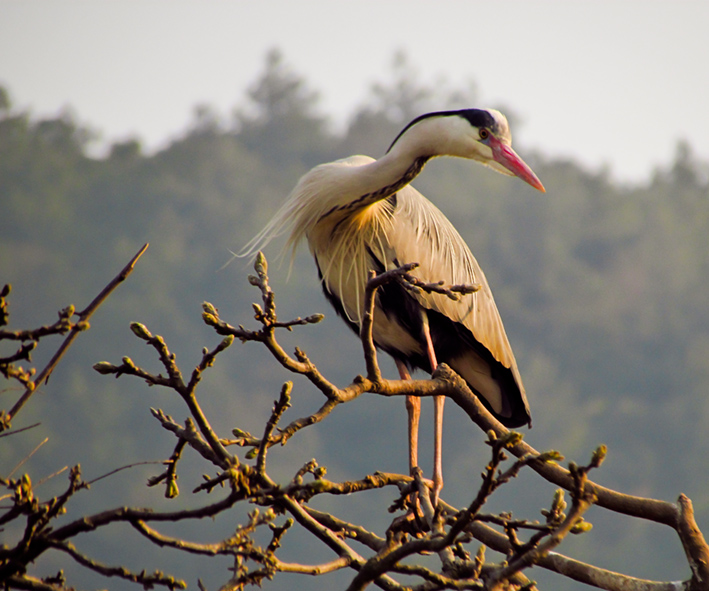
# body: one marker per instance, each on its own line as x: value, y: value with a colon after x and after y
x: 76, y: 328
x: 441, y: 531
x: 147, y: 580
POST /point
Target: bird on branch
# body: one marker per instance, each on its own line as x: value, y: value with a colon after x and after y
x: 360, y: 214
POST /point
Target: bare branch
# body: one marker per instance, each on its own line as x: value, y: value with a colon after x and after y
x: 175, y: 382
x: 574, y: 569
x: 31, y: 584
x: 126, y: 467
x: 443, y: 533
x: 76, y: 328
x: 458, y: 391
x: 279, y: 407
x: 16, y: 431
x: 27, y: 457
x: 147, y: 580
x: 349, y: 530
x: 695, y: 545
x: 314, y: 570
x: 453, y: 292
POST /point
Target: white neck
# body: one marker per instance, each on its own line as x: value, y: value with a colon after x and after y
x: 405, y: 159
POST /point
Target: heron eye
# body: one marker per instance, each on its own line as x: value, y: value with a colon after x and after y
x: 484, y: 134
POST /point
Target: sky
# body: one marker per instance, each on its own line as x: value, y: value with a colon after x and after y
x: 613, y: 84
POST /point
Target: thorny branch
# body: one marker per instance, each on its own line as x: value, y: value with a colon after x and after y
x: 457, y: 537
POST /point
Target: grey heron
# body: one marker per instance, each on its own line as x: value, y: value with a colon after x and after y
x: 360, y: 214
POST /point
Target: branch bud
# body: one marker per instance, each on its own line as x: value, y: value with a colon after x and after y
x: 511, y: 439
x: 479, y: 560
x: 261, y: 266
x: 598, y: 456
x: 550, y: 456
x: 581, y: 527
x: 171, y: 491
x: 559, y: 503
x: 67, y: 312
x: 209, y: 309
x: 209, y: 319
x: 104, y: 368
x: 140, y: 331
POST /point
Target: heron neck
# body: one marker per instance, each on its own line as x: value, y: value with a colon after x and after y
x: 379, y: 179
x: 407, y: 157
x: 394, y: 175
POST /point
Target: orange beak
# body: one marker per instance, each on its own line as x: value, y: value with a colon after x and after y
x: 507, y: 157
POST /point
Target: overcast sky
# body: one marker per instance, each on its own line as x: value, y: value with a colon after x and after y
x: 614, y: 82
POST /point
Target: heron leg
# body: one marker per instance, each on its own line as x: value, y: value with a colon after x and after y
x: 438, y: 402
x: 413, y: 407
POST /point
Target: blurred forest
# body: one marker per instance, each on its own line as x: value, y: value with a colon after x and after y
x: 602, y: 288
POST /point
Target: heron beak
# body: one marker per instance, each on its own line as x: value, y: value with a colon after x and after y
x: 506, y: 157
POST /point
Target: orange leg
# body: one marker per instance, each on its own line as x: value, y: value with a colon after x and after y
x: 413, y: 407
x: 438, y: 402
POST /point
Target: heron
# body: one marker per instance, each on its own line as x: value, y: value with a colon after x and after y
x: 360, y: 214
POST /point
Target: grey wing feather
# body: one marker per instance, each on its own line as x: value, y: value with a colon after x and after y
x: 427, y: 237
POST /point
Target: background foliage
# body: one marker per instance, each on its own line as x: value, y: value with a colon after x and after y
x: 602, y: 288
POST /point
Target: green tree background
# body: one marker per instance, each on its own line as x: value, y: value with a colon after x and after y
x: 602, y: 287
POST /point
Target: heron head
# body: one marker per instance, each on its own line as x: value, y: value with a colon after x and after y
x: 488, y: 141
x: 482, y: 135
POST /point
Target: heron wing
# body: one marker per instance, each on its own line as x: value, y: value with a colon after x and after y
x: 420, y: 233
x: 407, y: 228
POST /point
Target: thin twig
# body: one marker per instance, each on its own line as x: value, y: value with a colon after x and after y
x: 126, y: 467
x: 453, y: 292
x: 80, y: 326
x: 16, y: 431
x: 27, y: 457
x: 147, y: 580
x: 279, y: 407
